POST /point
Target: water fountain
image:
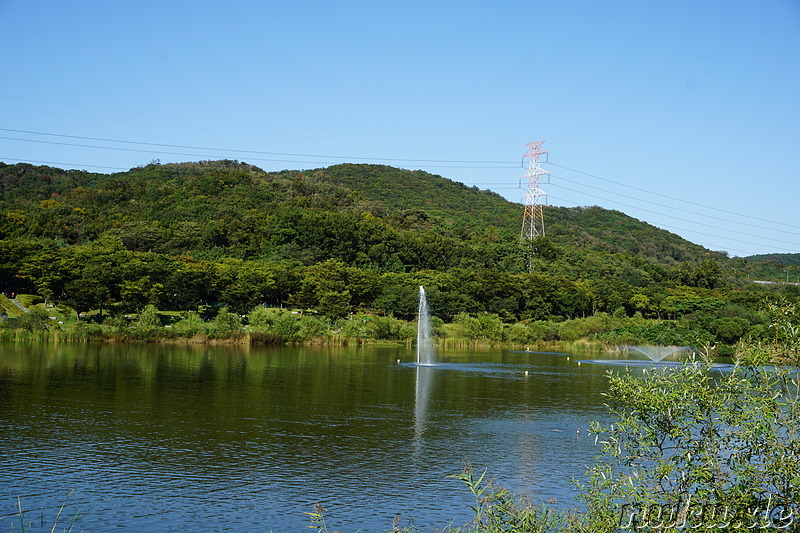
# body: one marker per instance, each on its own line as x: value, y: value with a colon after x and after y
x: 424, y: 340
x: 656, y: 356
x: 657, y: 353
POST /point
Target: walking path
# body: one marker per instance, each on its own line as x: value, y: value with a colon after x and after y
x: 16, y: 302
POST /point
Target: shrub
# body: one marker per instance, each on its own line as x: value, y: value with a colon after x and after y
x: 311, y: 326
x: 191, y: 324
x: 149, y: 319
x: 693, y: 439
x: 261, y: 318
x: 287, y: 326
x: 226, y: 323
x: 36, y: 319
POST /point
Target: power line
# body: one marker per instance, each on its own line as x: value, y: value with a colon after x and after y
x: 726, y: 248
x: 676, y: 209
x: 468, y: 164
x: 671, y: 197
x: 57, y: 163
x: 794, y: 250
x: 257, y: 152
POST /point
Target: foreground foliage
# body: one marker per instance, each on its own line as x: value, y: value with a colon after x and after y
x: 699, y: 444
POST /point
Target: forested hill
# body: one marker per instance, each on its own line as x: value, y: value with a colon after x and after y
x: 389, y: 218
x: 179, y: 208
x: 769, y: 267
x: 592, y: 228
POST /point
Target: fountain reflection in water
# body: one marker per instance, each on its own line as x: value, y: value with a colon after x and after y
x: 422, y: 393
x: 424, y: 340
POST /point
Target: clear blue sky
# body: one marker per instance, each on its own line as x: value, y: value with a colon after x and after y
x: 682, y: 113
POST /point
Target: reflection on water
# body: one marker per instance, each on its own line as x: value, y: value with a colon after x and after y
x: 162, y: 438
x: 424, y: 382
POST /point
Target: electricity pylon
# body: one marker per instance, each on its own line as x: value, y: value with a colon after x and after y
x: 533, y: 218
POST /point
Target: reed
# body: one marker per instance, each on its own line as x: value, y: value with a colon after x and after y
x: 59, y: 523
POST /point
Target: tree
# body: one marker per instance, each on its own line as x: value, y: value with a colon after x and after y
x: 334, y: 304
x: 544, y: 249
x: 244, y: 284
x: 86, y: 294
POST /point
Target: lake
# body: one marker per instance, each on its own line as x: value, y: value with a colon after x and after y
x: 179, y: 438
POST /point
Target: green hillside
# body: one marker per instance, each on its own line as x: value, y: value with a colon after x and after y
x: 233, y: 209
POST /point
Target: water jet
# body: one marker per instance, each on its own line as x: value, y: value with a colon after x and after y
x: 424, y: 335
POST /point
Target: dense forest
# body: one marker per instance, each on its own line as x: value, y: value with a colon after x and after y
x: 353, y: 239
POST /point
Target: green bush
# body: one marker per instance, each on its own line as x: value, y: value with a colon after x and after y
x: 355, y: 326
x: 149, y: 318
x: 390, y: 328
x: 37, y: 319
x: 261, y: 318
x: 311, y: 326
x: 693, y: 439
x: 191, y: 324
x: 226, y: 323
x: 665, y: 333
x: 578, y: 328
x: 481, y: 327
x: 287, y: 325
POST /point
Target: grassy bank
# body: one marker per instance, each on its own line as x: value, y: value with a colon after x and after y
x: 269, y: 326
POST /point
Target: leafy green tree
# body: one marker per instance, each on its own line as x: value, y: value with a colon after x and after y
x: 136, y: 294
x: 326, y: 277
x: 544, y: 249
x: 86, y: 294
x: 730, y: 329
x: 708, y: 274
x: 244, y: 284
x: 192, y: 285
x: 398, y: 295
x: 334, y: 304
x: 47, y: 271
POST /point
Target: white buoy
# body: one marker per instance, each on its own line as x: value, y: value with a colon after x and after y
x: 398, y: 361
x: 526, y: 372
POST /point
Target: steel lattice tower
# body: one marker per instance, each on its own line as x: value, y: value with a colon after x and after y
x: 533, y: 218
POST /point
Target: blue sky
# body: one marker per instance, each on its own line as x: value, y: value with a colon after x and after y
x: 681, y: 113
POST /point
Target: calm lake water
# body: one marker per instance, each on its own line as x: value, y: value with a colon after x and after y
x: 183, y: 438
